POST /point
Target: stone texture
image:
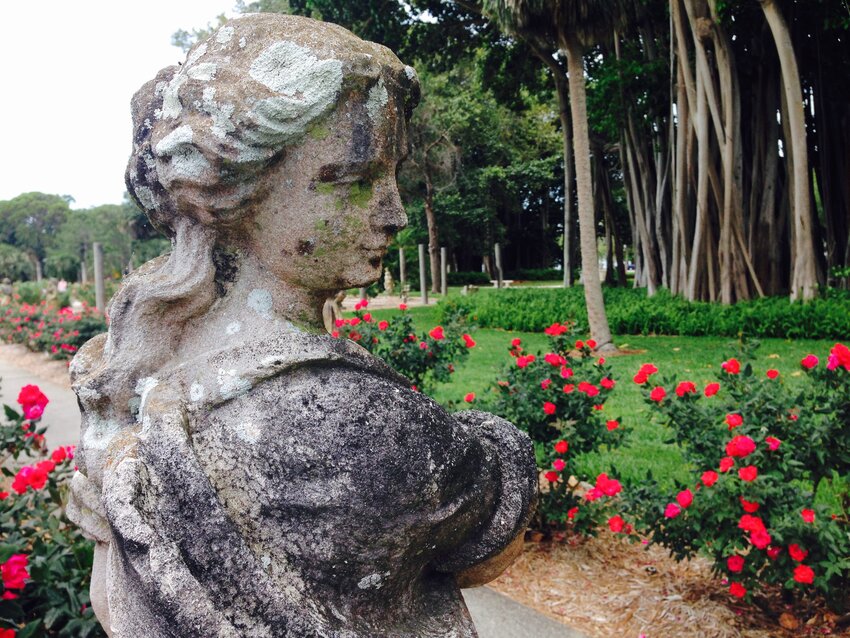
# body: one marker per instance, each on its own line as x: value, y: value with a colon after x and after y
x: 243, y: 473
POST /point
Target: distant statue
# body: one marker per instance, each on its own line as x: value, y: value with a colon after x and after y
x: 389, y: 283
x: 243, y: 473
x: 62, y: 286
x: 332, y: 311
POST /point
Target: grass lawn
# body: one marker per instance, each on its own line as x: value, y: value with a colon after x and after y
x: 685, y: 358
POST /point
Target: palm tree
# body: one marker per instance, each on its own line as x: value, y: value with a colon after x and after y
x: 571, y: 26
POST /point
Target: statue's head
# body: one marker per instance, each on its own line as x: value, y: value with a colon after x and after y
x: 282, y: 136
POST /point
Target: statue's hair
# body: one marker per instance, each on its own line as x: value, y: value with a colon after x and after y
x: 203, y: 132
x: 203, y: 135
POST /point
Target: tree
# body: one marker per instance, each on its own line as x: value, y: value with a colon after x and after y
x: 570, y: 26
x: 30, y: 221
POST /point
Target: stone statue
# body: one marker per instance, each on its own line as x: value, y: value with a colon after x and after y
x: 389, y: 283
x: 332, y: 310
x: 244, y: 473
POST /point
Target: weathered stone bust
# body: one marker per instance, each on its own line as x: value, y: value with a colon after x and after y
x: 243, y: 473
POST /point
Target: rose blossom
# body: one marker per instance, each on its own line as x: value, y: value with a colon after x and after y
x: 734, y: 420
x: 735, y: 564
x: 549, y: 407
x: 804, y: 574
x: 750, y: 507
x: 772, y: 443
x: 558, y: 465
x: 726, y: 463
x: 551, y: 476
x: 711, y: 389
x: 561, y: 447
x: 685, y: 387
x: 797, y: 553
x: 616, y: 524
x: 658, y: 394
x: 748, y: 473
x: 772, y: 374
x: 737, y: 590
x: 809, y: 361
x: 808, y: 515
x: 470, y: 397
x: 733, y: 366
x: 709, y: 478
x: 612, y: 425
x: 740, y: 446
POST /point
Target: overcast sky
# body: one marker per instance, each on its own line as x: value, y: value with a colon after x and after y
x: 67, y: 73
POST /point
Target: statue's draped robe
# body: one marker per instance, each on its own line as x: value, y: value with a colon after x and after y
x: 294, y: 486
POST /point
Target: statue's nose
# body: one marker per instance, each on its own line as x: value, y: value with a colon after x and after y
x: 388, y: 212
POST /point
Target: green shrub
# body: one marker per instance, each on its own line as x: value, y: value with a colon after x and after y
x: 630, y: 311
x: 558, y: 398
x: 468, y: 278
x: 758, y: 452
x: 535, y: 274
x: 29, y: 291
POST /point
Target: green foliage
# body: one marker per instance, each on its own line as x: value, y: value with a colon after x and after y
x: 426, y: 359
x: 558, y: 399
x: 535, y: 274
x: 630, y: 311
x: 468, y: 278
x: 36, y: 536
x: 759, y: 449
x: 15, y: 264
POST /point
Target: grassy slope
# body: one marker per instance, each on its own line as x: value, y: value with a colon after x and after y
x: 686, y: 358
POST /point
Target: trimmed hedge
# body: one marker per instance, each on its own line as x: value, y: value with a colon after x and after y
x: 630, y: 311
x: 536, y: 274
x: 468, y: 278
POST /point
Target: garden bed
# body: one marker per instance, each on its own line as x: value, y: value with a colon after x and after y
x: 608, y: 587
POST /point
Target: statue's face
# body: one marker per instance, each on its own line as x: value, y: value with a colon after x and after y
x: 333, y: 205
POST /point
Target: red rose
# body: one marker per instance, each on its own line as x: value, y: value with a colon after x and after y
x: 470, y: 343
x: 561, y: 447
x: 571, y: 513
x: 685, y: 387
x: 470, y: 397
x: 751, y: 524
x: 566, y: 372
x: 737, y: 590
x: 839, y: 356
x: 607, y: 383
x: 551, y: 476
x: 809, y: 361
x: 733, y: 366
x: 808, y: 516
x: 558, y: 465
x: 367, y: 317
x: 772, y: 443
x: 772, y: 374
x: 726, y: 463
x: 515, y: 342
x: 608, y: 486
x: 760, y: 538
x: 579, y: 344
x: 568, y: 388
x: 556, y: 329
x: 402, y: 306
x: 354, y: 321
x: 711, y: 389
x: 639, y: 378
x: 616, y: 524
x: 546, y: 383
x: 748, y: 473
x: 734, y: 420
x: 750, y: 507
x: 804, y: 574
x: 797, y: 553
x: 735, y: 564
x: 588, y: 388
x: 383, y: 325
x: 709, y: 478
x: 591, y: 344
x: 554, y: 359
x: 437, y: 333
x: 740, y: 446
x: 672, y: 510
x: 14, y: 571
x: 773, y: 552
x: 33, y: 401
x: 685, y: 498
x: 549, y: 407
x: 658, y: 394
x: 612, y: 425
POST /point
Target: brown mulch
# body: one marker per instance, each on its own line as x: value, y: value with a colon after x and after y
x: 608, y: 587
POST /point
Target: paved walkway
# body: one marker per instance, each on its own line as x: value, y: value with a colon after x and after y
x: 495, y: 615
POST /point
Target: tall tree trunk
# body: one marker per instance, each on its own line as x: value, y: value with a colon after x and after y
x: 567, y: 136
x: 804, y: 277
x: 596, y: 316
x: 433, y: 236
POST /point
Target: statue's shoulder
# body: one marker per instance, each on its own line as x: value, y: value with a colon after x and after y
x: 88, y: 357
x: 219, y: 376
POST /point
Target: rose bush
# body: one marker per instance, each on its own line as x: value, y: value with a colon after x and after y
x: 45, y: 563
x: 558, y: 398
x: 425, y: 359
x: 43, y: 327
x: 760, y: 449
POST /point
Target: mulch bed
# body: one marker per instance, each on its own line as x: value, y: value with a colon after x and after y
x: 608, y: 587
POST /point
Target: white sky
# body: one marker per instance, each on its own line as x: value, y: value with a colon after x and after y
x: 67, y: 73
